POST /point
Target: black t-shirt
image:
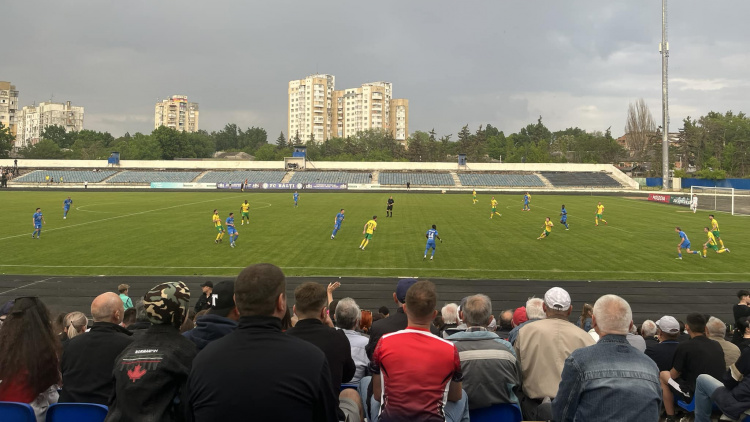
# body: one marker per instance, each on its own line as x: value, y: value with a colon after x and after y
x: 390, y: 202
x: 740, y: 311
x: 699, y: 355
x: 662, y: 353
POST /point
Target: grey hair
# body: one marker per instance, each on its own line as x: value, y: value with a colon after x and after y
x: 450, y: 313
x: 613, y: 315
x: 648, y: 328
x: 478, y: 311
x: 348, y: 314
x: 535, y: 308
x: 716, y: 327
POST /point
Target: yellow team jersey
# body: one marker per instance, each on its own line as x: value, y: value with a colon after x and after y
x: 371, y: 226
x: 493, y: 203
x: 711, y: 239
x: 548, y: 226
x: 600, y: 209
x: 714, y: 225
x: 217, y: 220
x: 245, y: 207
x: 474, y: 193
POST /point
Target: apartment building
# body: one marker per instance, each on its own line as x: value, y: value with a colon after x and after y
x: 316, y: 108
x: 8, y: 106
x: 177, y: 113
x: 31, y: 121
x: 310, y: 107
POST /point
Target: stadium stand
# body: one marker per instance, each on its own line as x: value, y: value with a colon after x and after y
x: 69, y: 176
x: 581, y: 179
x: 241, y: 176
x: 330, y: 177
x: 154, y: 176
x: 428, y: 179
x: 514, y: 180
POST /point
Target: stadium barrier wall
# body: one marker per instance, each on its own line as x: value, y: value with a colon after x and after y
x: 670, y: 199
x: 688, y: 182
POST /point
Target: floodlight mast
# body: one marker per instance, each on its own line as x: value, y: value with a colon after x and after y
x: 664, y: 49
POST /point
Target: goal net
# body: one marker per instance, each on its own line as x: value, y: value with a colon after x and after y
x: 730, y: 200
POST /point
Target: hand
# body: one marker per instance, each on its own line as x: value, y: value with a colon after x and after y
x: 333, y: 286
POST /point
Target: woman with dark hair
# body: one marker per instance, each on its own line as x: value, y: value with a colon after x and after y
x: 585, y: 319
x: 740, y: 310
x: 29, y: 356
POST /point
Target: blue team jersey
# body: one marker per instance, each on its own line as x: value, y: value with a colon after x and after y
x: 526, y: 199
x: 564, y: 212
x: 38, y: 218
x: 296, y: 196
x: 230, y: 221
x: 431, y: 235
x: 339, y: 218
x: 67, y: 203
x: 685, y: 240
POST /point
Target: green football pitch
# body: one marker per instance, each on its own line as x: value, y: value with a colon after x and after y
x: 170, y: 233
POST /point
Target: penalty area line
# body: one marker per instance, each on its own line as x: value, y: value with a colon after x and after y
x: 116, y: 217
x: 379, y: 269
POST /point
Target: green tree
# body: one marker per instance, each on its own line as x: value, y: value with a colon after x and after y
x: 42, y: 150
x: 173, y: 144
x: 281, y: 141
x: 58, y: 135
x: 6, y: 141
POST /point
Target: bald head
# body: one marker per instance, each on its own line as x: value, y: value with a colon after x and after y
x: 107, y: 307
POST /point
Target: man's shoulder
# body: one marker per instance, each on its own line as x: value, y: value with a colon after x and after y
x: 421, y: 336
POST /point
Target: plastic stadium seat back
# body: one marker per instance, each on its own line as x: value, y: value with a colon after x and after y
x: 690, y: 407
x: 505, y: 412
x: 21, y: 412
x: 76, y: 412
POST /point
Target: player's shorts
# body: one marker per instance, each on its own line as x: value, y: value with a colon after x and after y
x: 547, y: 233
x: 717, y: 234
x: 494, y: 210
x: 714, y: 247
x: 337, y: 226
x: 389, y: 208
x: 599, y: 216
x: 66, y: 208
x: 231, y: 230
x: 430, y: 245
x: 368, y: 236
x: 685, y: 245
x: 246, y: 214
x: 219, y: 229
x: 563, y: 219
x: 37, y: 226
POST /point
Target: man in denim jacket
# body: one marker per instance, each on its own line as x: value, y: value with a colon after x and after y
x: 611, y: 380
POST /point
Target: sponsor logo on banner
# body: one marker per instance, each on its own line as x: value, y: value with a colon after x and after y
x: 657, y: 197
x: 325, y: 186
x: 229, y: 186
x: 166, y: 185
x: 680, y: 200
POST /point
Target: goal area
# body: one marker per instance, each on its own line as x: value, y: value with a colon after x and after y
x: 730, y: 200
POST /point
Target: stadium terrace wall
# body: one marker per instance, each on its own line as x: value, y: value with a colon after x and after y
x: 687, y: 183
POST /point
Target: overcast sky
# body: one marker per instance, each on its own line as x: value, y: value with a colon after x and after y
x: 576, y: 63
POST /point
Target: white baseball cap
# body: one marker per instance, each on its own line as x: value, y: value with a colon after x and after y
x: 557, y: 298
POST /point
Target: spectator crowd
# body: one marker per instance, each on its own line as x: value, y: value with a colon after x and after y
x: 245, y: 351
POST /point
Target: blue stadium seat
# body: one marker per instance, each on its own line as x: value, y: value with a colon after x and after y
x: 416, y: 179
x: 69, y: 176
x: 76, y: 412
x: 499, y: 179
x: 504, y: 412
x: 690, y: 407
x: 330, y: 177
x: 239, y: 176
x: 581, y: 179
x: 17, y: 412
x: 154, y: 176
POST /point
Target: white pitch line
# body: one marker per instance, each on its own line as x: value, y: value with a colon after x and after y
x: 25, y: 286
x: 384, y: 268
x: 117, y: 216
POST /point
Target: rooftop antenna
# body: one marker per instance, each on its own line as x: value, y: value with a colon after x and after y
x: 664, y: 50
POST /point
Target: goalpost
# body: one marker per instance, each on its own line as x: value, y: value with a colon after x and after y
x: 730, y: 200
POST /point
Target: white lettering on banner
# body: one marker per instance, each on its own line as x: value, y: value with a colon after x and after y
x: 147, y: 351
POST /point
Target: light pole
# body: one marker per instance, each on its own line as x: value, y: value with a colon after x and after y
x: 664, y: 49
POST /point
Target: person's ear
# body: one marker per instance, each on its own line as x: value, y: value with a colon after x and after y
x: 281, y: 303
x: 323, y: 313
x: 395, y: 299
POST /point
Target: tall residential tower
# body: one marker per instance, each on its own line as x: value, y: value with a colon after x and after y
x: 8, y: 106
x: 177, y: 113
x: 32, y: 120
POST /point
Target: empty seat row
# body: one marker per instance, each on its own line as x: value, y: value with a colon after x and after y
x: 426, y: 179
x: 330, y: 177
x: 154, y: 176
x: 581, y: 179
x: 514, y: 180
x: 69, y: 176
x: 240, y: 176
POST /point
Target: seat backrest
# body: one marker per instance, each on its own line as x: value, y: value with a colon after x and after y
x: 690, y: 407
x: 504, y: 412
x: 12, y: 411
x: 76, y: 412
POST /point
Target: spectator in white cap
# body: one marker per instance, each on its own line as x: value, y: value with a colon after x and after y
x: 542, y: 348
x: 667, y: 331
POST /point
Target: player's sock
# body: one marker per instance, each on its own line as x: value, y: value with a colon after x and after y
x: 366, y: 242
x: 679, y: 255
x: 722, y: 250
x: 721, y: 242
x: 695, y: 252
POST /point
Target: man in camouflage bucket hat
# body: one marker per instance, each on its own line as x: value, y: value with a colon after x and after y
x: 151, y: 373
x: 167, y: 303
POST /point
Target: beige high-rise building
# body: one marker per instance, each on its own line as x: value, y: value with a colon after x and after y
x: 310, y: 108
x: 32, y: 120
x: 399, y: 119
x: 177, y: 113
x: 8, y: 106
